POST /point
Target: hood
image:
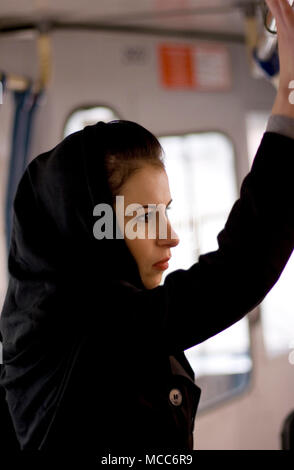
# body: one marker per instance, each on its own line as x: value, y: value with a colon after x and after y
x: 55, y: 263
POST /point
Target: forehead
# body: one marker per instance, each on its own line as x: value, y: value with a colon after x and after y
x: 148, y: 185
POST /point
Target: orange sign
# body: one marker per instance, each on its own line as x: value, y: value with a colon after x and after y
x: 176, y: 64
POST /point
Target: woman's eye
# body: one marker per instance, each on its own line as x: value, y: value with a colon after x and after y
x: 144, y: 217
x: 148, y: 215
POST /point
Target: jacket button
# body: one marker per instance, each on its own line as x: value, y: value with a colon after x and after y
x: 175, y: 397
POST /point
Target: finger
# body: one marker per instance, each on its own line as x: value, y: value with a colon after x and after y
x: 287, y: 12
x: 277, y: 12
x: 275, y: 7
x: 280, y: 9
x: 286, y: 5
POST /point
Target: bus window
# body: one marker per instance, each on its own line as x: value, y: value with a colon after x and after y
x: 278, y: 306
x: 87, y: 116
x: 201, y: 174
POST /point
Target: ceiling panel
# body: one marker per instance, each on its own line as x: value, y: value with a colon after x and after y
x: 224, y: 16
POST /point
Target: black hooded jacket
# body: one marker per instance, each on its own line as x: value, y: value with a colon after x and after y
x: 93, y: 360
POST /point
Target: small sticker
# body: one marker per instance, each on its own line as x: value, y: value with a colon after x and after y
x: 135, y: 55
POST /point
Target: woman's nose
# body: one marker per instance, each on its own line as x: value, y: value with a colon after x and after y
x: 171, y: 239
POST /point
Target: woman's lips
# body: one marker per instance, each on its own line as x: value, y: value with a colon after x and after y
x: 161, y: 265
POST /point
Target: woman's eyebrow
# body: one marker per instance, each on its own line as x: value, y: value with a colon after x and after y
x: 146, y: 205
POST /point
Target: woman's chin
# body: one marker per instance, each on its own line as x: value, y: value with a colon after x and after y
x: 153, y: 282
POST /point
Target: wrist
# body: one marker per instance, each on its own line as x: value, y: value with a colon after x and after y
x: 284, y: 102
x: 283, y: 125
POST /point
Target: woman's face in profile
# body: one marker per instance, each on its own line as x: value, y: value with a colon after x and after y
x: 149, y: 185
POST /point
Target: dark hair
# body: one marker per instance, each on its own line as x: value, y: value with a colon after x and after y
x: 129, y: 147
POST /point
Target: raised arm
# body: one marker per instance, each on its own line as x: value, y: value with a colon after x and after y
x: 254, y: 245
x: 226, y: 284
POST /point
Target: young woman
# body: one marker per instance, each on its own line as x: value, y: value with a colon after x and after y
x: 93, y: 345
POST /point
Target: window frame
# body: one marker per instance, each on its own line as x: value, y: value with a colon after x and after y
x: 247, y: 376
